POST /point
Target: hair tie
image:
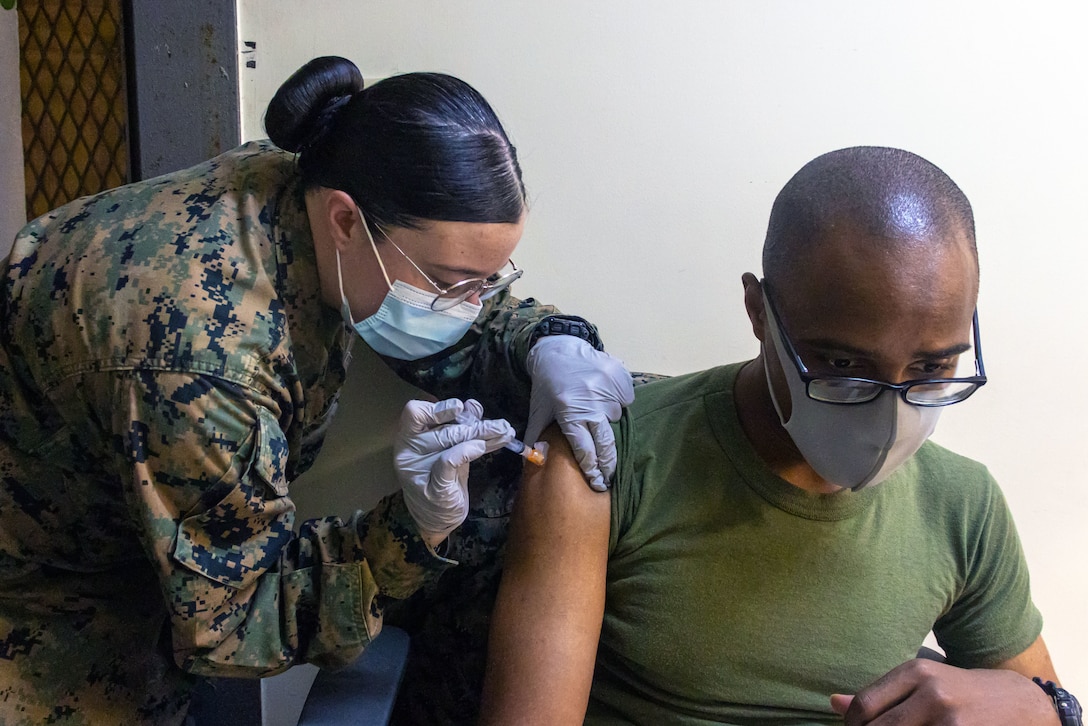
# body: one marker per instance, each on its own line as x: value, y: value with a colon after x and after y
x: 323, y: 122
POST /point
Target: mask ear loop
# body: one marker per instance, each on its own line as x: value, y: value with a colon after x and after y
x: 778, y: 348
x: 343, y: 297
x: 373, y: 246
x: 340, y: 274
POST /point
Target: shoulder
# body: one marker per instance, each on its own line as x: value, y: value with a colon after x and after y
x: 163, y: 267
x: 655, y: 398
x: 233, y: 185
x: 261, y: 156
x: 670, y: 425
x: 170, y: 203
x: 664, y: 409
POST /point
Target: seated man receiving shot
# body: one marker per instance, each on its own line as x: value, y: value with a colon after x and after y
x: 780, y: 538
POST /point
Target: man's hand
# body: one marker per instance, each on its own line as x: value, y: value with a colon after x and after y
x: 927, y: 693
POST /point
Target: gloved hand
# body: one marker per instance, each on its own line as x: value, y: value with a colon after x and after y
x: 434, y: 445
x: 581, y: 389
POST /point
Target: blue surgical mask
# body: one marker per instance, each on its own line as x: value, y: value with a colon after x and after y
x: 405, y: 327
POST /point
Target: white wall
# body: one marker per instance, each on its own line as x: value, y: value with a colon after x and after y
x: 12, y: 185
x: 654, y: 135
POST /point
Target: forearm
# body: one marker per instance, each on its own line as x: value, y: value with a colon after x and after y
x: 1035, y: 662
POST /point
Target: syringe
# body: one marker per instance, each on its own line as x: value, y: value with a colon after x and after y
x: 534, y: 456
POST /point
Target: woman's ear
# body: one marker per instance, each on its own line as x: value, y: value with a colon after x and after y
x: 342, y: 216
x: 753, y: 303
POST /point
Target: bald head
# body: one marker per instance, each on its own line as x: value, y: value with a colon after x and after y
x: 896, y: 200
x: 870, y: 272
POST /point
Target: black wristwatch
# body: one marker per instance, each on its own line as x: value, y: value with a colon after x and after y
x: 566, y: 325
x: 1066, y: 704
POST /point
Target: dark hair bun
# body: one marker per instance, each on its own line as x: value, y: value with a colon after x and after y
x: 298, y: 113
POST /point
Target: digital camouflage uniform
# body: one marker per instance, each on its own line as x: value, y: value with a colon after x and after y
x: 167, y: 367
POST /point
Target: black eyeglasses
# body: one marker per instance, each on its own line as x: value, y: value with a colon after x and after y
x: 847, y: 389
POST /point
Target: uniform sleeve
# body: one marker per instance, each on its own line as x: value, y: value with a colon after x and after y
x: 624, y: 489
x: 993, y: 618
x: 488, y: 363
x: 205, y: 481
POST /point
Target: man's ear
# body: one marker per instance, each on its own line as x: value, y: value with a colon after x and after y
x: 343, y: 216
x: 753, y: 303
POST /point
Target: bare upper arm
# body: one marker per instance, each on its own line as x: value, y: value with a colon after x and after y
x: 547, y: 617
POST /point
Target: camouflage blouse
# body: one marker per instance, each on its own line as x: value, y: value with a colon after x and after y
x: 167, y: 368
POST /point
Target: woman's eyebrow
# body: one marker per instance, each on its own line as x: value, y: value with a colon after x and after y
x: 464, y: 271
x: 453, y: 274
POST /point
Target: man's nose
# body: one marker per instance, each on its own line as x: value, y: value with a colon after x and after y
x: 895, y: 374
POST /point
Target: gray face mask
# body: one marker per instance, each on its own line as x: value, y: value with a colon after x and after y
x: 849, y: 445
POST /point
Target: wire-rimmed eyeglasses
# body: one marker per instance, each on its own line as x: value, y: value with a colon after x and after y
x: 848, y: 389
x: 458, y: 292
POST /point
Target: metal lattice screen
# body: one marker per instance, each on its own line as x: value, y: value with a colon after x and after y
x: 72, y: 81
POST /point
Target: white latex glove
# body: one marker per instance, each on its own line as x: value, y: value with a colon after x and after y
x: 434, y: 445
x: 581, y: 389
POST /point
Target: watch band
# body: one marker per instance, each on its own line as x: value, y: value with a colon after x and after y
x: 1065, y: 703
x: 566, y: 325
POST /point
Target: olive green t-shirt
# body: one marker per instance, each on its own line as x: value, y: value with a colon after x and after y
x: 735, y: 597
